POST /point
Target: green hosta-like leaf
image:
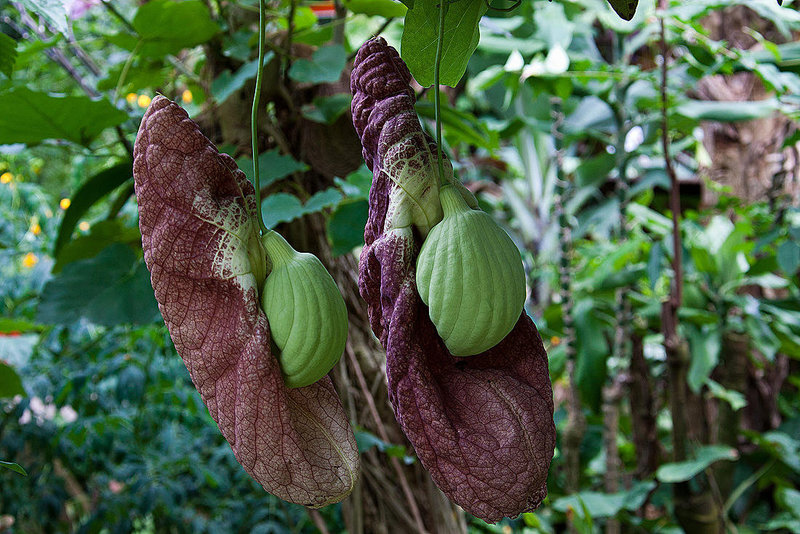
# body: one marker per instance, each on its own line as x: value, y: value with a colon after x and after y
x: 790, y: 500
x: 366, y: 441
x: 10, y: 325
x: 102, y: 235
x: 13, y: 467
x: 10, y: 382
x: 272, y: 166
x: 323, y: 199
x: 733, y: 111
x: 53, y: 11
x: 284, y: 207
x: 325, y: 66
x: 31, y: 117
x: 381, y: 8
x: 606, y: 504
x: 16, y: 349
x: 167, y: 26
x: 226, y: 83
x: 8, y: 54
x: 89, y: 193
x: 327, y: 109
x: 461, y: 36
x: 346, y: 226
x: 460, y: 125
x: 705, y: 345
x: 789, y: 257
x: 704, y: 457
x: 590, y: 371
x: 735, y: 399
x: 111, y: 288
x: 357, y: 183
x: 142, y: 75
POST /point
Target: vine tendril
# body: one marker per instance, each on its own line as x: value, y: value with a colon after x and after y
x: 254, y: 115
x: 437, y: 106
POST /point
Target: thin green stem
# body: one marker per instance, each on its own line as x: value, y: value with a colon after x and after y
x: 125, y: 68
x: 437, y: 106
x: 254, y: 115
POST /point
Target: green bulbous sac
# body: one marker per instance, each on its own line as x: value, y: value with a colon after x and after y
x: 307, y: 315
x: 470, y: 275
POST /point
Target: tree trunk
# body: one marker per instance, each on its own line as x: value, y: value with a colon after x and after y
x: 747, y: 156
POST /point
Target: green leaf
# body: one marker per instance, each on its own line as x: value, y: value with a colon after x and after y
x: 31, y: 117
x: 53, y: 11
x: 325, y: 66
x: 732, y: 111
x: 704, y: 457
x: 226, y: 83
x: 167, y: 26
x: 327, y: 109
x: 624, y: 8
x: 592, y: 352
x: 9, y: 325
x: 357, y: 184
x: 141, y: 76
x: 460, y: 125
x: 87, y: 195
x: 10, y: 382
x: 381, y: 8
x: 705, y: 344
x: 780, y: 446
x: 13, y: 467
x: 605, y: 504
x: 110, y: 289
x: 461, y: 36
x: 102, y: 235
x: 654, y: 263
x: 320, y: 200
x: 789, y: 499
x: 735, y: 399
x: 272, y: 166
x: 17, y: 349
x: 284, y: 207
x: 280, y: 207
x: 789, y: 257
x: 366, y: 440
x: 346, y: 226
x: 8, y: 54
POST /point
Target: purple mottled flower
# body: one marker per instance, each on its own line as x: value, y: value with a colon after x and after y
x: 482, y: 425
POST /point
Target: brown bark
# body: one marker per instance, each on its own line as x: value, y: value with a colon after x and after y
x: 732, y: 374
x: 747, y: 156
x: 612, y: 395
x: 643, y: 412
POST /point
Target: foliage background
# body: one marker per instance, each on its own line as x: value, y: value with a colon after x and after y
x: 557, y: 125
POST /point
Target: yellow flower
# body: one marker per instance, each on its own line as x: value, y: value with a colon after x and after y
x: 131, y: 97
x: 64, y: 204
x: 555, y: 341
x: 29, y: 260
x: 36, y: 228
x: 187, y: 97
x: 84, y: 226
x: 6, y: 177
x: 143, y: 101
